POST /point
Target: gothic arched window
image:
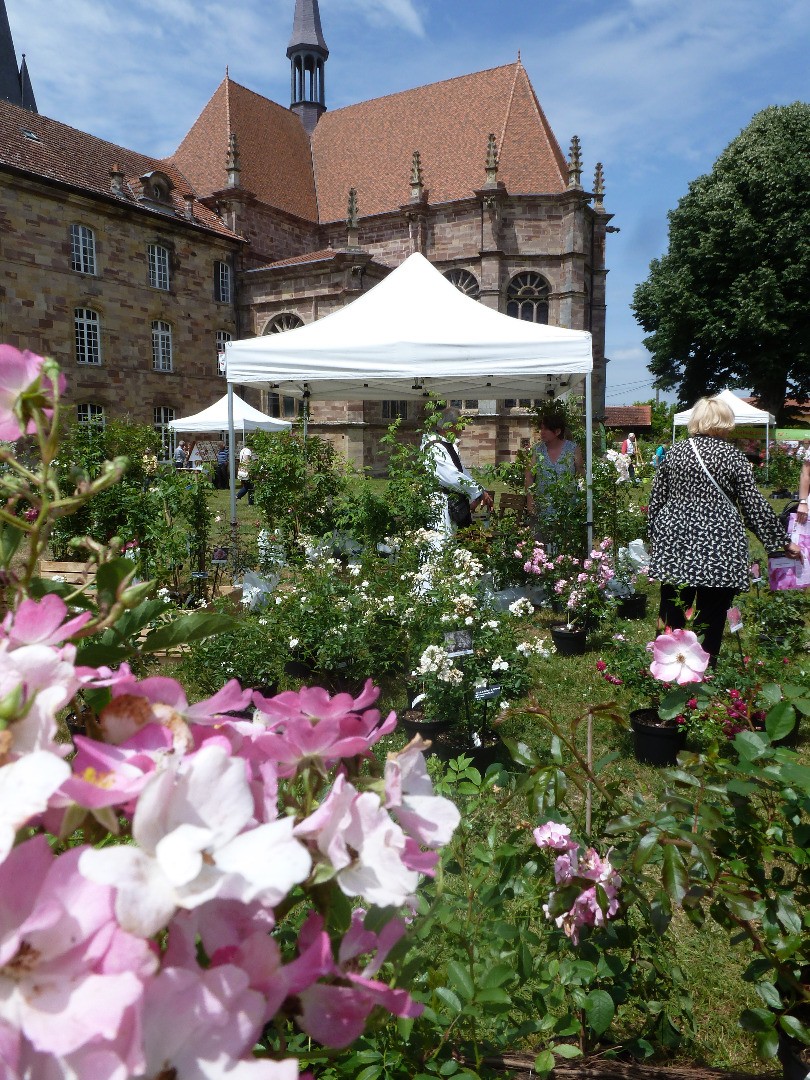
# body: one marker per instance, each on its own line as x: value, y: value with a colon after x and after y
x: 527, y: 297
x: 464, y: 281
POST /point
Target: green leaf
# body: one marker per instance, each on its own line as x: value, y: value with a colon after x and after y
x: 110, y: 576
x: 567, y: 1050
x: 600, y: 1010
x: 449, y: 998
x: 769, y: 994
x: 676, y: 879
x: 449, y: 1068
x: 757, y: 1020
x: 494, y: 996
x: 645, y: 849
x: 371, y: 1072
x: 795, y: 1029
x: 461, y: 980
x: 780, y: 721
x: 96, y: 653
x: 10, y: 538
x: 194, y: 627
x: 767, y: 1043
x: 544, y: 1063
x: 497, y: 976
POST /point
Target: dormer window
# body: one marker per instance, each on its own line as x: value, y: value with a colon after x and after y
x: 156, y: 187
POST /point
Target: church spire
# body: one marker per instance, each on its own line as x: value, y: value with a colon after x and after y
x: 15, y: 85
x: 307, y: 53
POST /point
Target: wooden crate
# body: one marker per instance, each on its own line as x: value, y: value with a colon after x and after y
x: 74, y: 573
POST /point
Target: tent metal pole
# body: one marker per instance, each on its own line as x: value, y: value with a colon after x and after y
x: 231, y: 455
x: 589, y: 460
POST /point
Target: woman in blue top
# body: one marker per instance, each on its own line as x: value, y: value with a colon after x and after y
x: 553, y: 457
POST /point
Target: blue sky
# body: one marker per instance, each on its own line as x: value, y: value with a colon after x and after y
x: 654, y: 88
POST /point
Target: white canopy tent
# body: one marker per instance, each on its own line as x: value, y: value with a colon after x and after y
x: 745, y: 415
x: 215, y: 419
x: 414, y: 335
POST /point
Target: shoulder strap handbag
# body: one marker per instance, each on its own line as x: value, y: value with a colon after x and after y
x: 702, y: 464
x: 451, y: 450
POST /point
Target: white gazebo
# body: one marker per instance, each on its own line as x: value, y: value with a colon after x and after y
x: 215, y: 419
x: 745, y: 415
x: 414, y: 335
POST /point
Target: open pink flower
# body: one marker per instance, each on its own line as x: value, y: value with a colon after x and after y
x: 426, y: 817
x: 18, y: 371
x: 355, y: 834
x: 42, y: 622
x: 554, y: 835
x: 678, y: 657
x: 309, y: 724
x: 71, y: 981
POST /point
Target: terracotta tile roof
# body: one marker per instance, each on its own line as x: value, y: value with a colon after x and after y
x: 296, y: 260
x: 628, y: 416
x: 45, y: 148
x: 274, y: 150
x: 369, y: 146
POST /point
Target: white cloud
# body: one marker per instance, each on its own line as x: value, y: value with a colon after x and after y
x: 399, y: 13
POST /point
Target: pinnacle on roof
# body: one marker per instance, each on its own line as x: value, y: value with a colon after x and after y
x: 599, y: 187
x: 575, y: 163
x: 15, y: 83
x: 417, y: 183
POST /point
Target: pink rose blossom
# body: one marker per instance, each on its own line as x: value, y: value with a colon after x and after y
x: 678, y: 657
x: 361, y: 842
x: 554, y: 835
x: 18, y: 372
x: 425, y: 816
x: 71, y: 981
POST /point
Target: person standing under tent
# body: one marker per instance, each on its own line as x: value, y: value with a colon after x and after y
x: 457, y: 486
x: 180, y: 456
x: 553, y: 457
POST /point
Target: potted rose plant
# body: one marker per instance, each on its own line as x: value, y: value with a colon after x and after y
x: 578, y: 586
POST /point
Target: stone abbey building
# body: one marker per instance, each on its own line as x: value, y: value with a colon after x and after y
x: 134, y: 272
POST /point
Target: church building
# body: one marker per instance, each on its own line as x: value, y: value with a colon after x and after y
x: 135, y: 272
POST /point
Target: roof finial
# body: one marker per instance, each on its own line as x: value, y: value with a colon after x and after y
x: 598, y: 187
x: 351, y: 219
x: 575, y: 163
x: 417, y: 186
x: 232, y: 161
x: 518, y: 55
x: 227, y: 76
x: 492, y: 162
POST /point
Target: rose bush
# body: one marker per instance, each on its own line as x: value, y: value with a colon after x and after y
x: 141, y: 876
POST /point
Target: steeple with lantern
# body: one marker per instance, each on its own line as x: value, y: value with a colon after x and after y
x: 307, y: 53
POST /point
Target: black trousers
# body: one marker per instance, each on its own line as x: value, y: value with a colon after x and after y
x: 711, y: 606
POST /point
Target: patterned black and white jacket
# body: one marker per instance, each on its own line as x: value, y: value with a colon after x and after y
x: 697, y: 535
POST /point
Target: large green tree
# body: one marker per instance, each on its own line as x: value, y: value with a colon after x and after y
x: 729, y: 304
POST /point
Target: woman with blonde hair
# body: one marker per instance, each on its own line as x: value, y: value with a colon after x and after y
x: 702, y: 499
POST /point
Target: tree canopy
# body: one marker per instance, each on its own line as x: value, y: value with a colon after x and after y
x: 729, y: 303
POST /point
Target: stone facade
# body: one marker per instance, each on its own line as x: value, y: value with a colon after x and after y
x: 40, y: 293
x: 561, y: 237
x: 252, y: 188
